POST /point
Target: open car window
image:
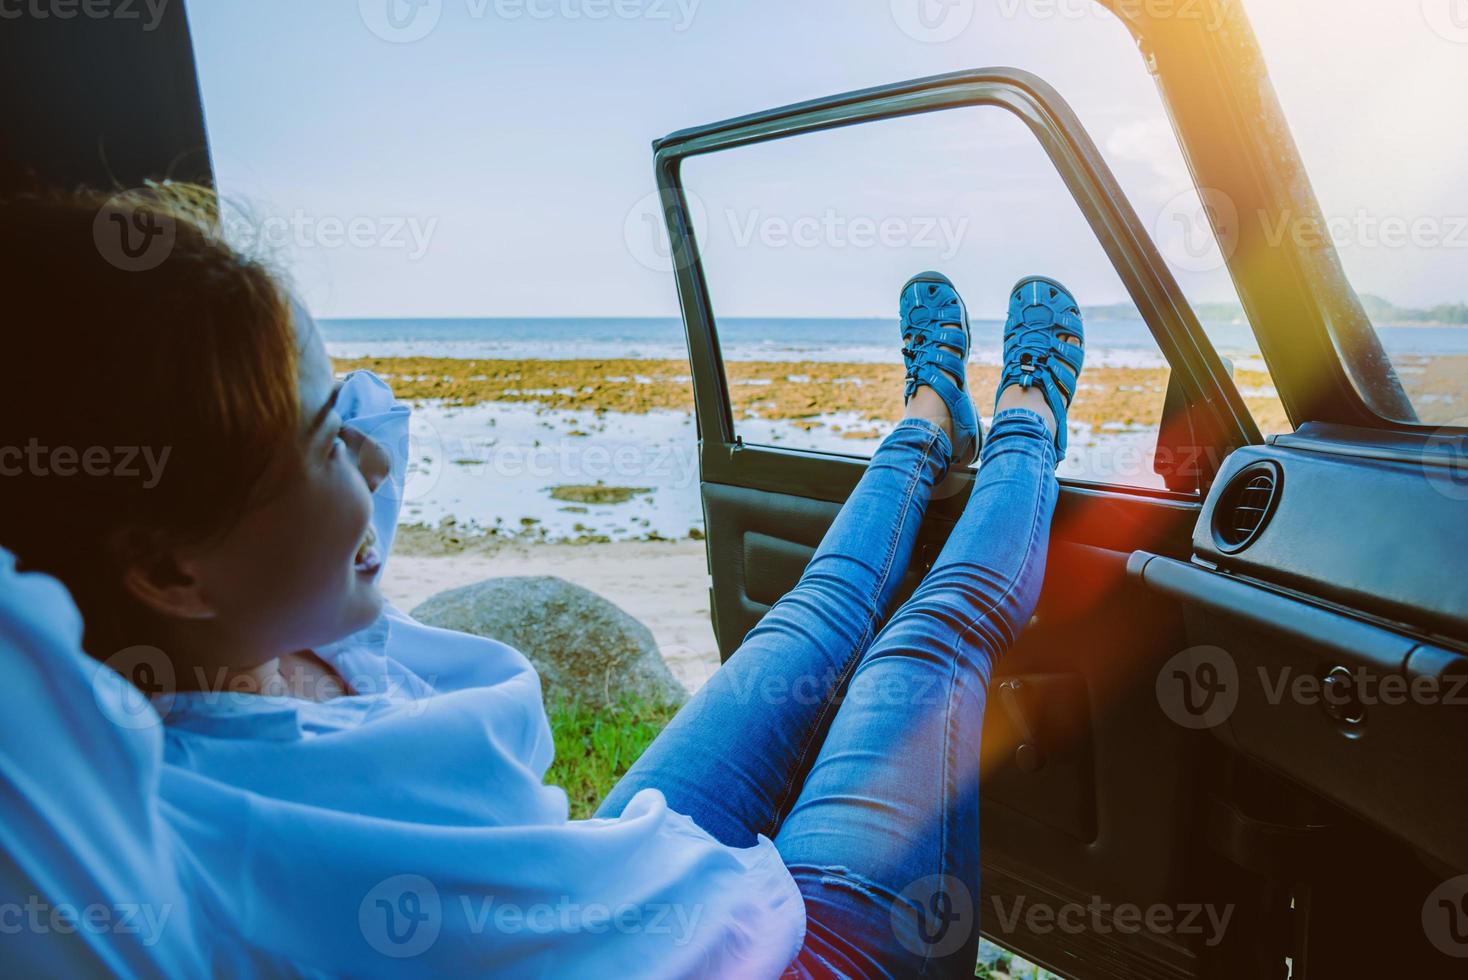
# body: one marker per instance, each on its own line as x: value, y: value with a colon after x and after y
x: 806, y: 242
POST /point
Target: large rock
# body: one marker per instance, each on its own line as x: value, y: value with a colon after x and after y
x: 581, y: 644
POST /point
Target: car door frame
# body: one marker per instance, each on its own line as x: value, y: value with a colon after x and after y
x: 1209, y: 404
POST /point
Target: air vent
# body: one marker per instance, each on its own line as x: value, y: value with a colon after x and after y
x: 1245, y: 506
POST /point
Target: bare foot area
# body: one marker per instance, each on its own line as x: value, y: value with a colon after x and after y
x: 664, y: 584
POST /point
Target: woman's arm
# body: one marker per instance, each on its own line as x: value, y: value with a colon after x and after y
x: 90, y: 881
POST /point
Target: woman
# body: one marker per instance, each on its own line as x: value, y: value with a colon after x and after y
x: 341, y: 790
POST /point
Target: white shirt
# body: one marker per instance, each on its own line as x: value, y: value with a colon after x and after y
x: 403, y: 832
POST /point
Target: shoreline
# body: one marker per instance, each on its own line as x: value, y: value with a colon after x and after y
x: 793, y: 391
x: 591, y: 451
x: 587, y: 468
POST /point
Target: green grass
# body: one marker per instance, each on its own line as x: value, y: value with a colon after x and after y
x: 594, y: 747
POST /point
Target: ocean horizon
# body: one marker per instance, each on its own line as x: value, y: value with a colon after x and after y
x: 1116, y: 342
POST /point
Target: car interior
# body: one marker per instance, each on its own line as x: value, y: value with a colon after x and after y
x: 1199, y: 717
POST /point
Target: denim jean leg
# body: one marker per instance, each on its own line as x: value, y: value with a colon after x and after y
x: 734, y: 757
x: 884, y: 837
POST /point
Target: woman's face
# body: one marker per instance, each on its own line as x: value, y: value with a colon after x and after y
x: 299, y: 571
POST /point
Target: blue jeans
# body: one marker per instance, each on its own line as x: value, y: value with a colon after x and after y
x: 855, y: 745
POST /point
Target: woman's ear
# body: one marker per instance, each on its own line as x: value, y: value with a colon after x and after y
x: 164, y: 578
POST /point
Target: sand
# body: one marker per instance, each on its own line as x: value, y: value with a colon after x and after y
x: 662, y: 584
x: 777, y: 390
x: 1131, y: 396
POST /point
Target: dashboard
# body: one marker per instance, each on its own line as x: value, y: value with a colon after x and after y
x: 1326, y: 604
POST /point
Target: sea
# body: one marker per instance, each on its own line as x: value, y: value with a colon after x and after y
x: 504, y: 468
x: 1116, y: 343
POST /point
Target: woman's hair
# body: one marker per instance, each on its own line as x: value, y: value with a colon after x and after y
x: 149, y: 387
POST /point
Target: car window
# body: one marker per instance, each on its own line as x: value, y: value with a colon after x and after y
x: 1366, y: 106
x: 806, y: 243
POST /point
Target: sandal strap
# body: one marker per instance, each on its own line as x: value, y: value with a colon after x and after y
x: 1034, y: 357
x: 928, y: 349
x: 948, y: 314
x: 935, y: 331
x: 934, y: 378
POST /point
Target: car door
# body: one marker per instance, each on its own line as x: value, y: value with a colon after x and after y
x: 1213, y: 753
x: 1091, y: 808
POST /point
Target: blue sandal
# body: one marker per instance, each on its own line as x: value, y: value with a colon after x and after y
x: 933, y: 320
x: 1040, y: 311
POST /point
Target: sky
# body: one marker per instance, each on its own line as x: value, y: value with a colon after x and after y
x: 419, y: 158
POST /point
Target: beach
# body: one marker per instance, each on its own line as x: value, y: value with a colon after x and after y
x: 600, y: 450
x: 587, y: 467
x: 803, y: 391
